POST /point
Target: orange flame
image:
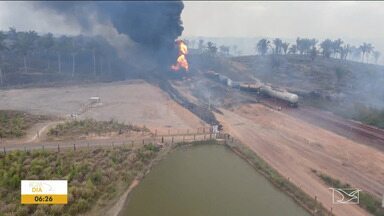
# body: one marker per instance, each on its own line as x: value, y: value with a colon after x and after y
x: 181, y: 61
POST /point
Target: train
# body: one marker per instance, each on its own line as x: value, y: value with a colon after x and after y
x: 260, y: 88
x: 281, y: 94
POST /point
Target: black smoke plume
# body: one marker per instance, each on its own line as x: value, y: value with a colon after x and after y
x: 153, y: 25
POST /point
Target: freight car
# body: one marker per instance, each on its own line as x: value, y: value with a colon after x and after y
x: 282, y: 94
x: 250, y: 87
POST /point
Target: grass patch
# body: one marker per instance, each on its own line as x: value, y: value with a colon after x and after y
x: 90, y: 126
x: 367, y: 201
x: 94, y: 176
x: 303, y: 199
x: 14, y: 124
x: 370, y: 116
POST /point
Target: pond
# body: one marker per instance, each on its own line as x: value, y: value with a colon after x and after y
x: 207, y: 180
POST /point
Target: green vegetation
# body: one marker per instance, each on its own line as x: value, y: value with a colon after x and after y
x: 14, y: 124
x: 303, y: 199
x: 29, y: 57
x: 95, y: 176
x: 370, y: 116
x: 90, y: 126
x: 367, y: 201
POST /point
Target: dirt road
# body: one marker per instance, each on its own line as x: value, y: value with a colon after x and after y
x: 295, y: 148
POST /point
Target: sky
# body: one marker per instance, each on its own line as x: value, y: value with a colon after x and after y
x: 284, y: 19
x: 346, y: 20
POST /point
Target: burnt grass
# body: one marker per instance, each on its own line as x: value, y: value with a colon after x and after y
x: 202, y: 112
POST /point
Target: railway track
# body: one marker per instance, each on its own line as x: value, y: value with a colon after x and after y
x: 349, y: 125
x: 353, y: 130
x: 356, y: 131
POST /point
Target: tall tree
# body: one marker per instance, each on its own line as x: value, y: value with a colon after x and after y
x: 93, y: 46
x: 263, y: 46
x: 285, y: 46
x: 344, y: 51
x: 25, y: 44
x: 326, y: 47
x: 201, y: 45
x: 74, y: 49
x: 336, y: 47
x: 61, y: 46
x: 366, y: 49
x: 305, y: 45
x: 46, y: 42
x: 278, y: 45
x: 212, y: 49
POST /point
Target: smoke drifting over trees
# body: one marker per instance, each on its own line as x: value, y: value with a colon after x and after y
x: 153, y: 25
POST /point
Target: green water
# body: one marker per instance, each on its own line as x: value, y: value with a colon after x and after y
x: 207, y: 180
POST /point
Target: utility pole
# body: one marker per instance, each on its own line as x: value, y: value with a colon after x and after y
x: 1, y: 77
x: 209, y: 101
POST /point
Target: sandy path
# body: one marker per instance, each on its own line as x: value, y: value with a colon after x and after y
x: 114, y: 211
x: 294, y: 147
x: 36, y: 133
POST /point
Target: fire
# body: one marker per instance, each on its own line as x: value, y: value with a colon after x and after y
x: 181, y: 61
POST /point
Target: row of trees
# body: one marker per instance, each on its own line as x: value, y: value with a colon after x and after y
x: 28, y: 52
x: 210, y: 47
x: 327, y: 48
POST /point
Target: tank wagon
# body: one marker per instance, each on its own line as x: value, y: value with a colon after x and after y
x: 282, y: 94
x: 258, y: 87
x: 250, y: 87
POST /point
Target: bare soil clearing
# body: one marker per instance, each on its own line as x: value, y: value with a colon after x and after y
x: 295, y: 147
x: 134, y: 102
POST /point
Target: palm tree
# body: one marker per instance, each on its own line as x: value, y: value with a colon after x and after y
x: 366, y: 49
x: 285, y: 46
x: 278, y: 43
x: 263, y: 46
